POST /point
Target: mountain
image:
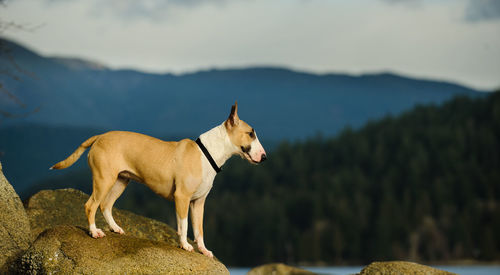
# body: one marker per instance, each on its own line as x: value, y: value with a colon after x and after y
x: 278, y: 102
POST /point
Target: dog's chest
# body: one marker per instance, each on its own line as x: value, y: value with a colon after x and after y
x: 208, y: 175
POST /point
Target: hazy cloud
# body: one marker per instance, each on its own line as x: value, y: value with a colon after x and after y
x: 412, y: 3
x: 482, y: 10
x: 140, y: 9
x: 400, y: 1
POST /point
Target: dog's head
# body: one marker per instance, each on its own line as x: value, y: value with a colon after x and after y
x: 244, y: 137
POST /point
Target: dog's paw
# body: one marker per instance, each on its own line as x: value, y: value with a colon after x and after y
x: 206, y: 252
x: 187, y: 247
x: 98, y: 233
x: 118, y: 230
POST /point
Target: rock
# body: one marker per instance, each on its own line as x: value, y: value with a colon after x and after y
x: 49, y: 208
x: 68, y: 249
x: 278, y: 269
x: 15, y: 232
x: 63, y: 245
x: 400, y: 268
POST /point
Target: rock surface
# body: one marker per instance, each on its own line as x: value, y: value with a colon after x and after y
x: 68, y: 249
x: 401, y: 268
x: 278, y: 269
x: 63, y: 245
x: 50, y: 208
x: 15, y: 229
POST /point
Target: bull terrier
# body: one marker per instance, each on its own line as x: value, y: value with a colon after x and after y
x: 182, y: 171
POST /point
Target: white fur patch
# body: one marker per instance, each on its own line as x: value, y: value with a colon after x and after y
x: 208, y: 175
x: 256, y: 150
x: 183, y: 228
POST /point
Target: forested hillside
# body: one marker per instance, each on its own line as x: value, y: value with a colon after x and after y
x: 422, y: 186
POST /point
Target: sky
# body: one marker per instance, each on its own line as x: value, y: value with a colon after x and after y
x: 452, y: 40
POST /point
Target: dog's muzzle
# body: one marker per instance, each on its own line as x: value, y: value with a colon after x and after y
x: 263, y: 157
x: 246, y: 152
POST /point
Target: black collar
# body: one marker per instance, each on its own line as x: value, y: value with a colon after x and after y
x: 207, y: 155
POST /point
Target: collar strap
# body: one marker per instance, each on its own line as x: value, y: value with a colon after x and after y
x: 207, y: 155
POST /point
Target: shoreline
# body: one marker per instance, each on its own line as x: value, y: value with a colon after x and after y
x: 434, y: 264
x: 469, y: 269
x: 463, y: 262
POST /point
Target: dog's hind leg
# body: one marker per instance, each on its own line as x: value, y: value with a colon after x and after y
x: 101, y: 187
x: 108, y: 202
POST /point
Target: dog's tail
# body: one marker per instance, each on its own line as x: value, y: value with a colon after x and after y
x: 76, y: 154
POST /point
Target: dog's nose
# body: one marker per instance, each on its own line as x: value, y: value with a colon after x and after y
x: 263, y: 157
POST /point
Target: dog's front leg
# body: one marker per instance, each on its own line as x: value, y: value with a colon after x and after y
x: 197, y: 221
x: 181, y: 209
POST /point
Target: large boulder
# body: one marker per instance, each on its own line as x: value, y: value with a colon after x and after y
x: 50, y: 208
x: 68, y: 249
x: 15, y: 232
x: 400, y: 268
x: 278, y: 269
x: 63, y: 244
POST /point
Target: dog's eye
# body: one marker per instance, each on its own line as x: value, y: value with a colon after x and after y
x: 251, y: 134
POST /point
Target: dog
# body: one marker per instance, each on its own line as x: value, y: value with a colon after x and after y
x: 182, y: 171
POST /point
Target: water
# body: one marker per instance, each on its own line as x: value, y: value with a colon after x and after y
x: 335, y: 270
x: 347, y: 270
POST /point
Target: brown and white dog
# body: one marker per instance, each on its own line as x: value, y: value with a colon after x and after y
x: 183, y: 171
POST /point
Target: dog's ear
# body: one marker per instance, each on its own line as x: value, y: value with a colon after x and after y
x: 233, y: 118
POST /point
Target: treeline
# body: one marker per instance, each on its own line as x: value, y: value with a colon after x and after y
x: 423, y: 186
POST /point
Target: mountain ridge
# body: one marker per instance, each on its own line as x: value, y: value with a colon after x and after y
x: 281, y: 103
x: 72, y: 61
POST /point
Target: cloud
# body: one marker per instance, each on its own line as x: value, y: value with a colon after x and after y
x: 400, y: 1
x: 138, y: 9
x: 482, y: 10
x: 411, y: 3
